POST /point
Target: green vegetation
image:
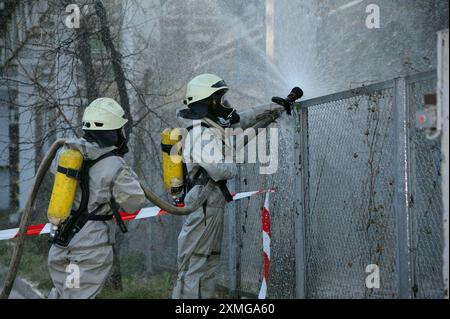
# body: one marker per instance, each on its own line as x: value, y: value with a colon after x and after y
x: 136, y: 284
x: 133, y: 265
x: 33, y: 266
x: 154, y: 287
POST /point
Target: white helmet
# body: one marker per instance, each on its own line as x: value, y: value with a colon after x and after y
x: 202, y: 87
x: 104, y: 114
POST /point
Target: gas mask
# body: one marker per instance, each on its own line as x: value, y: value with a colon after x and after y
x: 222, y: 112
x: 109, y: 138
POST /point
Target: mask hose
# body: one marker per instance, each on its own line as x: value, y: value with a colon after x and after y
x: 150, y: 195
x: 263, y: 122
x: 180, y: 211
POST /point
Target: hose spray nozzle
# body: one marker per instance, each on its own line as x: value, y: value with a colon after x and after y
x: 296, y: 93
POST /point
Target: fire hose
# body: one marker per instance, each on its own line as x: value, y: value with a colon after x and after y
x: 211, y: 185
x: 262, y: 122
x: 42, y: 170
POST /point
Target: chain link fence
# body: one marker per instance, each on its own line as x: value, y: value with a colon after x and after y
x: 389, y: 191
x: 241, y: 269
x: 350, y: 223
x: 358, y: 185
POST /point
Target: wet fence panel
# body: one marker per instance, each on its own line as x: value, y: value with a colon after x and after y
x: 350, y: 223
x: 283, y: 205
x: 358, y: 187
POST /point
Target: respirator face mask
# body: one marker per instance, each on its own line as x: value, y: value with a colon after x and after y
x: 223, y: 113
x: 109, y: 138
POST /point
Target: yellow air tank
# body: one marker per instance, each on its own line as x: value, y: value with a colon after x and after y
x: 65, y: 186
x: 173, y: 162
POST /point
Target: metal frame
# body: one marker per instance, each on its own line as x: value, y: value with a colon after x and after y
x: 302, y: 184
x: 364, y: 90
x: 443, y: 122
x: 232, y: 244
x: 402, y: 189
x: 419, y: 77
x: 236, y: 293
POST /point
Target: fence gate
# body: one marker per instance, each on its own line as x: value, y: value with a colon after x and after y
x: 371, y: 194
x: 358, y: 186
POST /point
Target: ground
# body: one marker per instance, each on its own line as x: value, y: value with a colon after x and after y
x: 34, y: 281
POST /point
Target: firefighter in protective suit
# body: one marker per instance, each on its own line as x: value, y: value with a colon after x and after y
x: 81, y: 256
x: 200, y: 240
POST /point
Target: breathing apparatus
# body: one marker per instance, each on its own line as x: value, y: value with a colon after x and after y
x: 173, y: 169
x: 65, y: 187
x: 205, y: 97
x: 103, y: 123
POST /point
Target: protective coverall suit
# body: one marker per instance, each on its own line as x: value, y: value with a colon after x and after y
x: 79, y: 270
x: 200, y: 240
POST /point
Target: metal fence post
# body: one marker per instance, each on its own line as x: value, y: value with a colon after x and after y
x: 237, y: 241
x: 302, y: 205
x: 232, y: 242
x: 402, y: 188
x: 443, y: 45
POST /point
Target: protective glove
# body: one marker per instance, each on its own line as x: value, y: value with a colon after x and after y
x: 287, y: 103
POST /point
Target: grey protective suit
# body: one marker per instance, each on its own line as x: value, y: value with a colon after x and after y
x: 79, y: 270
x: 200, y: 239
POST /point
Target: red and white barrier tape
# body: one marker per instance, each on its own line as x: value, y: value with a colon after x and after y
x: 148, y: 212
x: 267, y: 234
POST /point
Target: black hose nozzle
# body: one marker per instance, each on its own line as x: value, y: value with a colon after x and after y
x: 295, y: 94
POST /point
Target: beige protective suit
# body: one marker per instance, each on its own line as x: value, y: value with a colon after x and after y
x: 200, y: 239
x: 79, y: 270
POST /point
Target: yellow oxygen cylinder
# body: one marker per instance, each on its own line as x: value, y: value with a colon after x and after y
x: 65, y: 186
x: 173, y: 163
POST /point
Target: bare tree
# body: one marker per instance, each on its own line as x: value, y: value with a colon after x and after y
x: 54, y: 71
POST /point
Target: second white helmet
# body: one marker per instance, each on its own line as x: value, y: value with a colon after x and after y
x: 202, y: 87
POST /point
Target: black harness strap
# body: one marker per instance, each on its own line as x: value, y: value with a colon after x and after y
x: 101, y: 218
x: 197, y: 180
x: 166, y: 148
x: 116, y: 212
x: 73, y: 173
x: 225, y: 191
x: 201, y: 178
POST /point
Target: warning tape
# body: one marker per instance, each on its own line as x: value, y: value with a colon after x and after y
x: 267, y: 234
x: 149, y: 212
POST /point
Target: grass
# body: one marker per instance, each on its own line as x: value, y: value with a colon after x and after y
x: 33, y: 266
x: 154, y: 287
